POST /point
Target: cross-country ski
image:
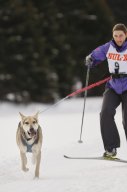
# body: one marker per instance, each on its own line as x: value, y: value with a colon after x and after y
x: 97, y: 158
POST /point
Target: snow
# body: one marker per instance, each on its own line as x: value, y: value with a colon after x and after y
x: 61, y: 127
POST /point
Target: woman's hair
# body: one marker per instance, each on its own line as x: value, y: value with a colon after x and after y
x: 120, y: 27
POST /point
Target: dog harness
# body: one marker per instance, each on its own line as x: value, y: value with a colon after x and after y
x: 29, y: 146
x: 25, y: 140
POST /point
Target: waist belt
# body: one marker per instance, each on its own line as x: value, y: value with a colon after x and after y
x: 118, y: 75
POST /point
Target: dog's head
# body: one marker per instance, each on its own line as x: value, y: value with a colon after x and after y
x: 29, y: 124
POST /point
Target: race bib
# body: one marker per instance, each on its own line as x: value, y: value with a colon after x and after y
x: 117, y: 62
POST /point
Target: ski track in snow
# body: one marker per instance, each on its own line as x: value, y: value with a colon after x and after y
x: 61, y: 130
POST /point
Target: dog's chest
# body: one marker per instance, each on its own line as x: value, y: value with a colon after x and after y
x: 29, y: 148
x: 28, y: 144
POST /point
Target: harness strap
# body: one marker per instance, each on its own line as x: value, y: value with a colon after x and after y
x: 29, y: 147
x: 117, y: 76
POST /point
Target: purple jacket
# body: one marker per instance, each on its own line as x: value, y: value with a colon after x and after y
x: 98, y: 55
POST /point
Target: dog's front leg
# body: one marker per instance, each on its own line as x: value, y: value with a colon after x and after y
x: 37, y: 168
x: 23, y: 161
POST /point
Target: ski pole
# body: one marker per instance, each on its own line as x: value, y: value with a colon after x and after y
x: 85, y: 95
x: 77, y: 92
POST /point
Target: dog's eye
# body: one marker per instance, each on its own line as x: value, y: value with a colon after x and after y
x: 26, y: 123
x: 34, y: 122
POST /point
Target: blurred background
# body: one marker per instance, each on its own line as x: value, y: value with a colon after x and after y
x: 43, y: 44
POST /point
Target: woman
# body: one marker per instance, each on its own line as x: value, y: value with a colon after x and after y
x: 115, y: 51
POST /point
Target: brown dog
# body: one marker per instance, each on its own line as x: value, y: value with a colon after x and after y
x: 29, y: 139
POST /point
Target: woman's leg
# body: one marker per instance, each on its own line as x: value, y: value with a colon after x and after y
x: 109, y: 132
x: 124, y: 111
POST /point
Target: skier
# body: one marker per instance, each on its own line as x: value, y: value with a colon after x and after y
x: 115, y: 51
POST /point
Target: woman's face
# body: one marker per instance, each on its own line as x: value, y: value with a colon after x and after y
x: 119, y: 37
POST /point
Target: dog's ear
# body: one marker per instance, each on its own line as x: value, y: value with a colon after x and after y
x: 22, y: 116
x: 36, y: 115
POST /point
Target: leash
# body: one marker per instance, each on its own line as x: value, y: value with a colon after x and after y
x: 77, y: 92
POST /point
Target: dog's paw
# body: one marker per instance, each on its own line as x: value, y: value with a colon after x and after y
x: 25, y: 169
x: 36, y: 178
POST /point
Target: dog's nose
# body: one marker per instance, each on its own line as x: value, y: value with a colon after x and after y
x: 31, y: 129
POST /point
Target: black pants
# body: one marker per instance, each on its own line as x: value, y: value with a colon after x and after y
x: 109, y: 131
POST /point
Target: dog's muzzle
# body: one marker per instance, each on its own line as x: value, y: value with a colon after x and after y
x: 32, y: 132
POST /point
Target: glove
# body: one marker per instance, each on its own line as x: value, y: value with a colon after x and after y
x: 88, y: 61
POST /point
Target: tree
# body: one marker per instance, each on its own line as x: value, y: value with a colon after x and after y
x: 44, y: 43
x: 26, y: 71
x: 119, y: 10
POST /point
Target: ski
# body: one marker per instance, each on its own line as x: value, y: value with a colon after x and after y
x: 97, y: 158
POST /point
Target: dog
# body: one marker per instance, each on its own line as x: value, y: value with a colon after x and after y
x: 29, y: 139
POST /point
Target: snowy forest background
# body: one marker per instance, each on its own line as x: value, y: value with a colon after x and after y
x: 43, y: 45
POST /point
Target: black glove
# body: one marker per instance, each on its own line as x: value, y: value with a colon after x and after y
x: 88, y: 61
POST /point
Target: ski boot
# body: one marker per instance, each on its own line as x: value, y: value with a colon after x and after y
x: 110, y: 154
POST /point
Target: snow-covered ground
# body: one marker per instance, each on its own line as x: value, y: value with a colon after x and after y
x: 61, y: 131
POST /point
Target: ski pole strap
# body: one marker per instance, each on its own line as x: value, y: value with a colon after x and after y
x: 89, y: 87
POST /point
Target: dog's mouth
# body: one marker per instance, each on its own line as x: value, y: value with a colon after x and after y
x: 32, y: 133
